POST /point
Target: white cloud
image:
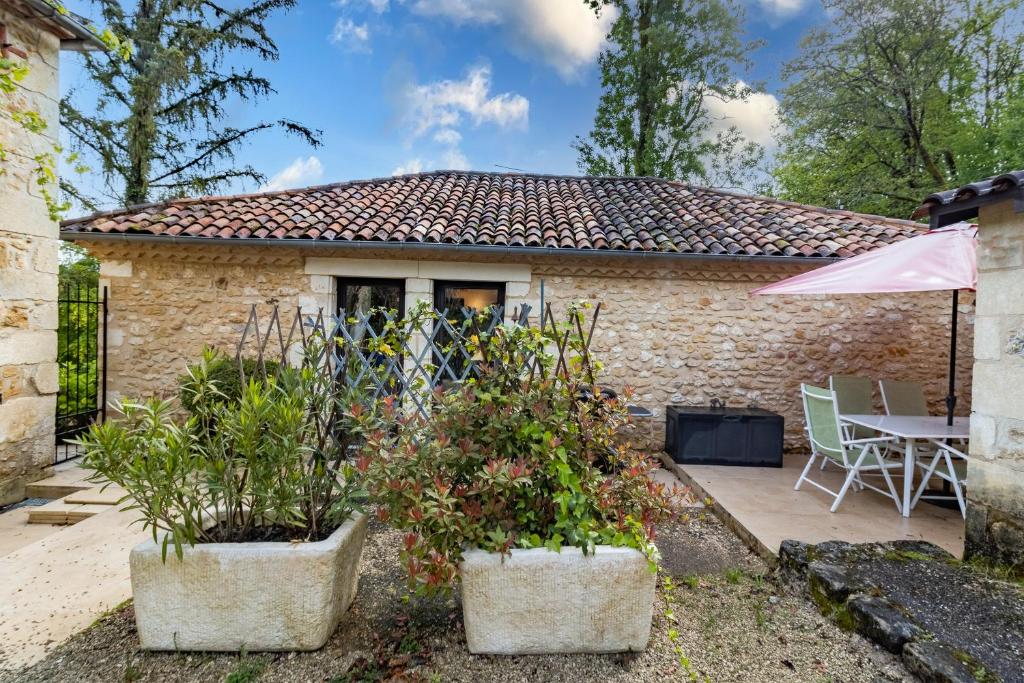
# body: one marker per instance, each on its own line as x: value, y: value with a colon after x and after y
x: 411, y: 166
x: 454, y: 160
x: 451, y: 159
x: 782, y: 8
x: 755, y: 118
x: 350, y: 35
x: 565, y: 33
x: 448, y: 136
x: 461, y: 11
x: 299, y: 173
x: 443, y: 104
x: 378, y: 6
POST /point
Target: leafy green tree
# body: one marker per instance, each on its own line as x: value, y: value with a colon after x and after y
x: 895, y: 99
x: 666, y: 59
x: 78, y: 329
x: 156, y: 124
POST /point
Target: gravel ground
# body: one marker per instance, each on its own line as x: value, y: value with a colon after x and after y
x: 734, y: 624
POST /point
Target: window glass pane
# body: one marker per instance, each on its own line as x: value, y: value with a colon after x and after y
x: 362, y: 297
x: 455, y: 298
x: 378, y: 295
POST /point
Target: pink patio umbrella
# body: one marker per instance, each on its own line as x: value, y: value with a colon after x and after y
x: 936, y: 260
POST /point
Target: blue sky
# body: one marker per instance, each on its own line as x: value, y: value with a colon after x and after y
x: 408, y: 85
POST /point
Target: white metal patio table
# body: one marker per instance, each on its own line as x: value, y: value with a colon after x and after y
x: 910, y: 429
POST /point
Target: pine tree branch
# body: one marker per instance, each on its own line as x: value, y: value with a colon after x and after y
x: 212, y: 148
x: 219, y: 86
x: 158, y: 118
x: 198, y: 182
x: 251, y: 18
x: 231, y: 137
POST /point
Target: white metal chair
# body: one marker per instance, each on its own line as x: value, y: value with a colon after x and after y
x: 830, y: 441
x: 934, y: 458
x: 853, y: 397
x: 903, y: 398
x: 906, y: 398
x: 949, y: 465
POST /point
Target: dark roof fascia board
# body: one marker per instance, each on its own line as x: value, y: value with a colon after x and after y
x: 84, y: 40
x: 433, y: 247
x: 947, y: 214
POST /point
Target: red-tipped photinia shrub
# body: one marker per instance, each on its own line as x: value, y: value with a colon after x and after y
x: 510, y: 460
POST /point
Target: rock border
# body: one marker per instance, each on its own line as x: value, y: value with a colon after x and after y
x: 858, y: 605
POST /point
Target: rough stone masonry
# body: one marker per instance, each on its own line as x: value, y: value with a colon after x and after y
x: 676, y: 333
x: 28, y: 269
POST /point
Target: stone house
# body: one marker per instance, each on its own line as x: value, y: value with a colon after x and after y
x: 995, y: 473
x: 32, y: 32
x: 672, y: 265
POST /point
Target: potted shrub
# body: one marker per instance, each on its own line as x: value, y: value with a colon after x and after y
x: 256, y: 530
x: 499, y: 490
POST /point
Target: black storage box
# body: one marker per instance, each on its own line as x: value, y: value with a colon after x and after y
x: 698, y: 435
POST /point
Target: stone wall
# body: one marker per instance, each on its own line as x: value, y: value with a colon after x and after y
x: 676, y: 333
x: 28, y: 271
x: 995, y: 475
x: 686, y: 338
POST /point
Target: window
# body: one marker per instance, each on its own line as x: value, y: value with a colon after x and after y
x: 477, y: 296
x: 452, y: 298
x: 359, y: 295
x: 363, y: 294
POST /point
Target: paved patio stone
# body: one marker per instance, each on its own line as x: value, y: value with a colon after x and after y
x: 760, y: 505
x: 59, y: 585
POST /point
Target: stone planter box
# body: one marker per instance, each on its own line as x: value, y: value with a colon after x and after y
x: 539, y: 601
x: 256, y: 596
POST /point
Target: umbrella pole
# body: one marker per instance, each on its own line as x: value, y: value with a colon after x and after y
x: 951, y: 394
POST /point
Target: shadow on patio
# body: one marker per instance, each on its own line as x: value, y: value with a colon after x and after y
x: 759, y: 503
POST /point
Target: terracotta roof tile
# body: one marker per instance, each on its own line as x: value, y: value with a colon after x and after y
x: 562, y: 212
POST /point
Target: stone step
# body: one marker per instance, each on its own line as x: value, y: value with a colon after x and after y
x: 97, y: 495
x: 64, y: 479
x: 44, y: 488
x: 58, y: 585
x: 61, y: 512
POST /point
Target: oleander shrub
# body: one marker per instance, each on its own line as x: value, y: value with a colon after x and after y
x: 224, y: 371
x: 271, y: 465
x: 508, y: 459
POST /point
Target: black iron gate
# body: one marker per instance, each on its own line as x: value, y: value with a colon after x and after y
x: 81, y: 363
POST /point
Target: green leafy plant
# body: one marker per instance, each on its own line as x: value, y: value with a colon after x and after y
x: 668, y: 588
x: 248, y: 670
x: 508, y: 459
x: 270, y: 466
x: 224, y: 372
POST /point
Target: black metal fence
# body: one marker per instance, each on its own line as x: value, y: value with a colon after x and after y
x: 81, y: 363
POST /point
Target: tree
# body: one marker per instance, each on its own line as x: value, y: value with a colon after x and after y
x: 666, y: 59
x: 896, y: 99
x: 156, y: 125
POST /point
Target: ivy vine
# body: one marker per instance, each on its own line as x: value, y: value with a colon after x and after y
x: 12, y: 72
